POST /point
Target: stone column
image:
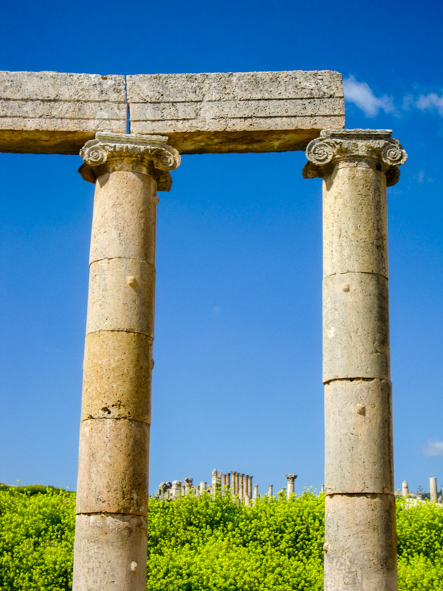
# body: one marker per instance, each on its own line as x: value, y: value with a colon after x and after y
x: 290, y: 478
x: 188, y: 485
x: 216, y: 481
x: 270, y: 490
x: 228, y: 481
x: 360, y: 538
x: 255, y: 493
x: 433, y: 489
x: 176, y: 489
x: 203, y: 487
x: 250, y: 486
x: 112, y: 489
x: 241, y: 487
x: 405, y: 489
x: 234, y: 483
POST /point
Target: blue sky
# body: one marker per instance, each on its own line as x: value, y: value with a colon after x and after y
x: 237, y: 379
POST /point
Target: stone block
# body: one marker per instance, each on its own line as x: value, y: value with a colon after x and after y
x: 110, y: 552
x: 124, y: 217
x: 358, y: 437
x: 360, y: 543
x: 113, y: 467
x: 117, y: 376
x: 56, y: 113
x: 121, y: 296
x: 236, y: 112
x: 355, y: 327
x: 355, y: 232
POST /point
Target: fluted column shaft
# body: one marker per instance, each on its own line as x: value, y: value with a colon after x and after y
x: 360, y: 537
x: 112, y: 489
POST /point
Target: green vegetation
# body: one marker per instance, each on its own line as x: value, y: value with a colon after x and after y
x: 206, y: 544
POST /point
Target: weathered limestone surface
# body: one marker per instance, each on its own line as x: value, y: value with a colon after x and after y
x: 113, y: 467
x: 355, y: 326
x: 361, y: 543
x: 123, y: 226
x: 354, y: 211
x: 117, y: 376
x: 236, y: 112
x: 52, y: 112
x: 358, y: 437
x: 121, y: 296
x: 114, y: 552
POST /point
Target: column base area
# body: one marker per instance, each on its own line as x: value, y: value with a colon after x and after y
x: 110, y: 553
x: 360, y: 543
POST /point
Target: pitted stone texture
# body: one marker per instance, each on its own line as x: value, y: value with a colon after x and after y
x: 360, y: 543
x: 355, y: 232
x: 124, y: 217
x: 121, y: 296
x: 110, y: 552
x: 236, y: 112
x: 56, y: 113
x: 113, y: 467
x: 358, y: 437
x: 117, y: 376
x: 355, y: 327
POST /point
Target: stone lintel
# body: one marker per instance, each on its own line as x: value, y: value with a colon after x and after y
x: 236, y: 112
x: 57, y: 113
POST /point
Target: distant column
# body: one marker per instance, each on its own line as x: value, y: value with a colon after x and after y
x: 216, y: 480
x: 228, y: 481
x: 188, y: 485
x: 270, y: 490
x: 290, y: 478
x: 250, y: 486
x: 203, y: 487
x: 433, y: 489
x: 360, y: 541
x: 405, y: 489
x: 255, y: 493
x: 236, y: 483
x: 176, y: 488
x: 241, y: 489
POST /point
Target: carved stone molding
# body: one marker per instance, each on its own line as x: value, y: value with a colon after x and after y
x: 143, y: 154
x: 376, y: 147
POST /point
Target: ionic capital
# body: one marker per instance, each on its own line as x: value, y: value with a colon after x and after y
x: 143, y: 154
x: 350, y: 146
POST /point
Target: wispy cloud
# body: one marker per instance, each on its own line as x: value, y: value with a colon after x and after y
x: 434, y: 448
x: 363, y: 97
x: 428, y: 102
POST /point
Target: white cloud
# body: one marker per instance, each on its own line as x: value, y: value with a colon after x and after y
x: 430, y: 101
x: 362, y: 96
x: 434, y: 448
